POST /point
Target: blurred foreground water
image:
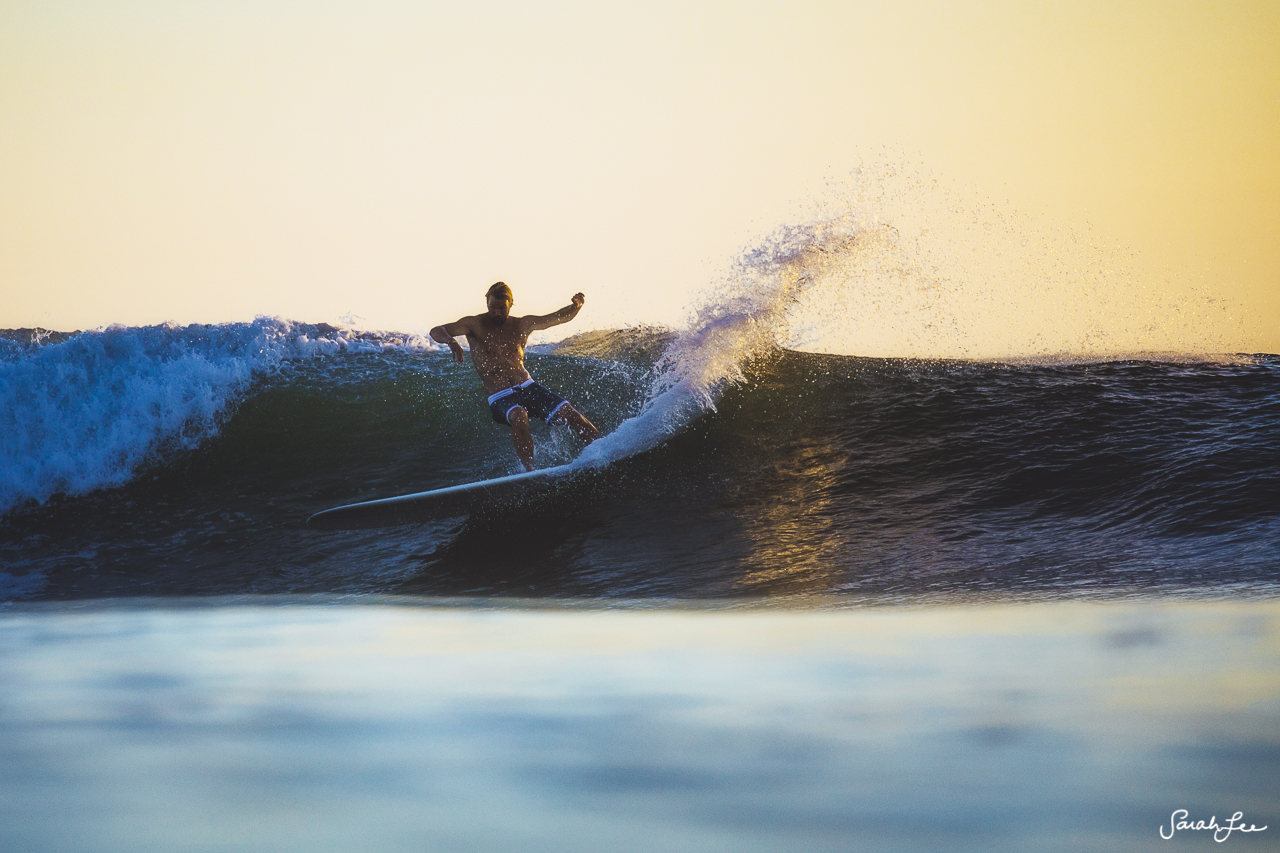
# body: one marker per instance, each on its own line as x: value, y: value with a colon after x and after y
x: 383, y: 724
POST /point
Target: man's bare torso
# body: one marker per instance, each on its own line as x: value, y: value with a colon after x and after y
x: 497, y: 339
x: 497, y: 351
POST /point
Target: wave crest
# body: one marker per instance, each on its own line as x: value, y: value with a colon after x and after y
x: 738, y: 320
x: 85, y: 411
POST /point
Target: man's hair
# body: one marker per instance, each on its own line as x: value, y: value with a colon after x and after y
x: 500, y: 289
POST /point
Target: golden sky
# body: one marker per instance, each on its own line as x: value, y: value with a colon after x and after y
x: 209, y: 162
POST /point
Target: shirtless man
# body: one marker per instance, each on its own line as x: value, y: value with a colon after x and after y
x: 497, y: 350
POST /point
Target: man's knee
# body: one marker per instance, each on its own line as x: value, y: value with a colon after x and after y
x: 518, y: 417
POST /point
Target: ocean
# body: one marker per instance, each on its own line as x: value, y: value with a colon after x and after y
x: 186, y: 460
x: 791, y: 600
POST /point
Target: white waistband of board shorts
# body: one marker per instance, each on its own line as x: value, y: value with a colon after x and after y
x: 493, y: 398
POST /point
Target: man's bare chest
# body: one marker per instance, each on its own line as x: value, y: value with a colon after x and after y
x: 499, y: 343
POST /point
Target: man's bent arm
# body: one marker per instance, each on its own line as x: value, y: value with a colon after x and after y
x: 564, y: 315
x: 446, y: 332
x: 445, y: 335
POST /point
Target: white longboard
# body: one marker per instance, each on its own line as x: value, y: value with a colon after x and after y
x: 437, y: 504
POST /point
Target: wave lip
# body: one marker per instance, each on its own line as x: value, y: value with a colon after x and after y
x: 741, y: 319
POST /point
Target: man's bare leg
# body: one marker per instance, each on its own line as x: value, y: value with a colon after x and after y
x: 584, y: 428
x: 520, y: 437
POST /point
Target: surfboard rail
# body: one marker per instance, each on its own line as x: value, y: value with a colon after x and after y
x: 438, y: 504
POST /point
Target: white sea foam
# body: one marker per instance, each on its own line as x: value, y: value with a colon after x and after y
x: 90, y: 411
x: 739, y: 319
x: 896, y: 265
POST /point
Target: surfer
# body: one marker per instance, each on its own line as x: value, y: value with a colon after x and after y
x: 497, y: 342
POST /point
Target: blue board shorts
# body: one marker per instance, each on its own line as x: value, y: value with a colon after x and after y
x: 533, y: 397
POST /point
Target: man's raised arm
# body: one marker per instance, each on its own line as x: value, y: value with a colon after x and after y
x: 564, y: 315
x: 445, y: 334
